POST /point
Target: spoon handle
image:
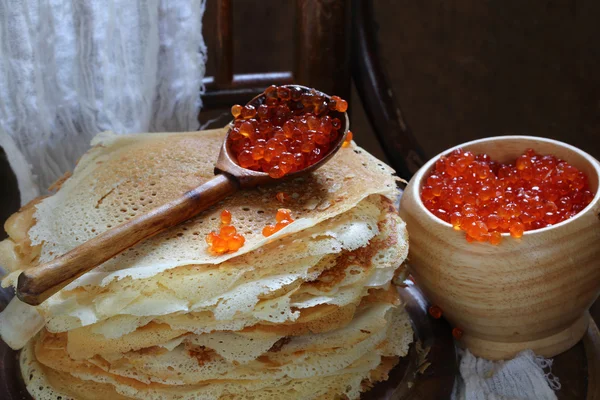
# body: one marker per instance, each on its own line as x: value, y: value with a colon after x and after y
x: 37, y: 284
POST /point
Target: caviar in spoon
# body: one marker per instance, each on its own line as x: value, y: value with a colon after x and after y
x: 288, y: 130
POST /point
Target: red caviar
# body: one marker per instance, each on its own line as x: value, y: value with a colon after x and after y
x: 289, y: 132
x: 485, y: 198
x: 225, y: 217
x: 457, y: 333
x: 435, y: 312
x: 283, y: 219
x: 348, y: 139
x: 227, y: 240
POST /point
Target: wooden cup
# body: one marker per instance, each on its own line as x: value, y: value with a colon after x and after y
x: 528, y: 293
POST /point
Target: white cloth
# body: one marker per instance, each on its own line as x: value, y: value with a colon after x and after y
x: 522, y: 378
x: 72, y: 68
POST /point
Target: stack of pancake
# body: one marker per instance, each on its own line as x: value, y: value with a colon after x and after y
x: 310, y: 312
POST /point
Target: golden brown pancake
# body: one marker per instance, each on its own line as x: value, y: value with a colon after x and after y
x: 308, y: 313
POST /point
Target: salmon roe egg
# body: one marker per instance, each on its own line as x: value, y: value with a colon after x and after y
x: 291, y: 130
x: 457, y: 333
x: 484, y: 198
x: 227, y: 240
x: 283, y: 218
x: 236, y: 110
x: 435, y: 312
x: 225, y: 217
x: 348, y: 139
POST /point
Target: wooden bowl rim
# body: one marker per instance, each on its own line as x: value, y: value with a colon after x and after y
x: 418, y: 177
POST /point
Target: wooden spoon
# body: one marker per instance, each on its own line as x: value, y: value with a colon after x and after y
x: 37, y: 284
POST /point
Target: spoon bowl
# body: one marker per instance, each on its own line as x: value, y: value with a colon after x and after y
x: 248, y: 178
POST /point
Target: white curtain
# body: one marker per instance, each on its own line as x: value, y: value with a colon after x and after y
x: 72, y: 68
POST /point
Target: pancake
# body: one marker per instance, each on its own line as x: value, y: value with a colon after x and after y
x: 354, y: 273
x: 125, y: 175
x: 48, y: 384
x: 227, y: 287
x: 310, y: 312
x: 350, y: 352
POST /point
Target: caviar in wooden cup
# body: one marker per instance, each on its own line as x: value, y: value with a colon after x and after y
x: 533, y: 292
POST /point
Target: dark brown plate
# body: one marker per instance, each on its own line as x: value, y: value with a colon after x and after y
x: 417, y: 377
x: 435, y: 382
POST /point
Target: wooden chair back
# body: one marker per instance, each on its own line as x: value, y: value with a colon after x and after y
x: 322, y: 55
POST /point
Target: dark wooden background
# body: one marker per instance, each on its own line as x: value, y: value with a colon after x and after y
x: 463, y: 69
